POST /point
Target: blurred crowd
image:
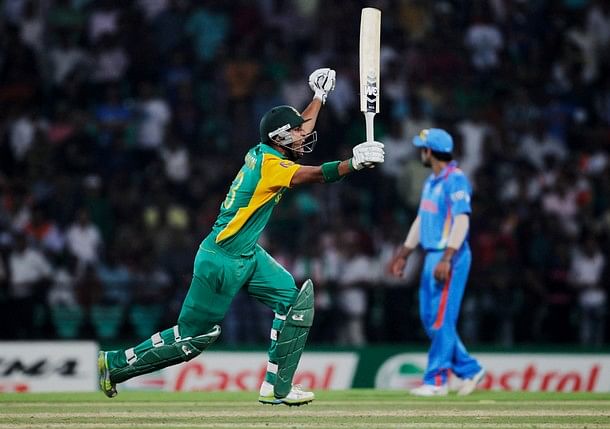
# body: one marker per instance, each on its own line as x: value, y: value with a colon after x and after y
x: 122, y: 124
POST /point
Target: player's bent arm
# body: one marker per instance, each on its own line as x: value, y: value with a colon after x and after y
x: 315, y: 174
x: 457, y: 235
x: 310, y: 114
x: 412, y: 240
x: 367, y: 154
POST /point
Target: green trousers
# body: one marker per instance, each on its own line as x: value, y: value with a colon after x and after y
x: 217, y: 277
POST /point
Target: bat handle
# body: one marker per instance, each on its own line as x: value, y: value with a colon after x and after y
x: 370, y: 133
x: 368, y: 119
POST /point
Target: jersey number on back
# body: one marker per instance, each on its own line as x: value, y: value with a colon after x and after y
x: 228, y: 202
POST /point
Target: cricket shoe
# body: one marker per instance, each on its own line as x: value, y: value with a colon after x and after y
x: 430, y: 390
x: 107, y: 386
x: 295, y: 398
x: 470, y: 384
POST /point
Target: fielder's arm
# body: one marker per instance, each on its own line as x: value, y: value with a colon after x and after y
x: 398, y: 262
x: 457, y: 235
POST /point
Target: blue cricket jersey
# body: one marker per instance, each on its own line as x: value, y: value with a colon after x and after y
x: 443, y: 198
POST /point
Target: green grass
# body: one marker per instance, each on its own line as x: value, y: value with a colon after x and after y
x: 357, y: 408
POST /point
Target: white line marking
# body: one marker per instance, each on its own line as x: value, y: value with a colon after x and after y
x: 253, y: 402
x: 268, y: 411
x: 367, y: 425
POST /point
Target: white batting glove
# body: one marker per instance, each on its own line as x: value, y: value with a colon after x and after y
x: 321, y: 82
x: 367, y: 154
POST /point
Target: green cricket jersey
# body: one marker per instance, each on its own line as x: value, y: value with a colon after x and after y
x: 255, y: 191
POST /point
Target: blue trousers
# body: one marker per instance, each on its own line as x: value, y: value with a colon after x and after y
x: 439, y: 308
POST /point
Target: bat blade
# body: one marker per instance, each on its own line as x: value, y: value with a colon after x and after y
x: 370, y: 41
x: 370, y: 45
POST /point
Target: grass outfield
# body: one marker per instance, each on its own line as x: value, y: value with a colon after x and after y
x: 332, y: 409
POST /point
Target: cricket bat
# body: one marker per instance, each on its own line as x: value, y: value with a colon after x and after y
x: 370, y: 43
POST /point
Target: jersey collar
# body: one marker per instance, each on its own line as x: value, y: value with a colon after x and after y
x: 450, y: 168
x: 265, y: 148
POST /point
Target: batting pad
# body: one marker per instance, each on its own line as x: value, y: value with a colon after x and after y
x: 292, y: 338
x: 164, y: 354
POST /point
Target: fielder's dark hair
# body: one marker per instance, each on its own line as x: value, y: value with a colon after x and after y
x: 442, y: 156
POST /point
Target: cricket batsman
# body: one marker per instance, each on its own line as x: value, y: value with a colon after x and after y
x: 441, y: 228
x: 229, y: 258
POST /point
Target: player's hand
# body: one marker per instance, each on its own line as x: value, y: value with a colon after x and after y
x: 321, y: 82
x: 396, y: 267
x: 367, y: 154
x: 442, y: 271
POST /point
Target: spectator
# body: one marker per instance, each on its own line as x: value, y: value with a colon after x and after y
x: 154, y: 115
x: 110, y: 62
x: 67, y: 60
x: 63, y: 288
x: 44, y: 232
x: 30, y: 273
x: 84, y: 241
x: 359, y: 272
x: 586, y: 268
x: 116, y: 279
x: 125, y: 108
x: 484, y: 40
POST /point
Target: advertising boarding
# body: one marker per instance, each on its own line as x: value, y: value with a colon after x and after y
x: 48, y: 366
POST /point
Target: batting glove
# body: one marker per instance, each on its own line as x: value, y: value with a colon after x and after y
x: 321, y: 82
x: 367, y: 154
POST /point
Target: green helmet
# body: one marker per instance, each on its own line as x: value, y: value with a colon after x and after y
x: 275, y: 128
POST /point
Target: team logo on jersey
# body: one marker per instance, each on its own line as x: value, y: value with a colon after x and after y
x: 460, y: 195
x: 286, y: 164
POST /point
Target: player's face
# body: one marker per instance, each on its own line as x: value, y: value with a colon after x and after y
x: 425, y: 155
x: 298, y: 134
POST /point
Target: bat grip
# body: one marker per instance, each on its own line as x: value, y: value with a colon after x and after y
x: 368, y: 119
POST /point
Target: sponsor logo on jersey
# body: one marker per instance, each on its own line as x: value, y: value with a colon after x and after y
x: 429, y: 206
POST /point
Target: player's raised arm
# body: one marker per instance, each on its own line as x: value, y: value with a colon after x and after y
x: 321, y: 82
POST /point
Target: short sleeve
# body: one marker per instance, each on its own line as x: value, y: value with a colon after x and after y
x: 276, y: 172
x: 460, y: 193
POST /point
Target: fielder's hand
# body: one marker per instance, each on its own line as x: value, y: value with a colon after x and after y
x: 442, y: 271
x: 396, y: 267
x: 367, y: 154
x: 321, y: 82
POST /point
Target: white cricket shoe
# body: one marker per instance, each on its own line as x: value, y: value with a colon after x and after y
x: 430, y: 390
x: 296, y: 397
x: 470, y: 384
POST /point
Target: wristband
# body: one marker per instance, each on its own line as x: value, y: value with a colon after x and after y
x: 351, y: 165
x: 330, y: 171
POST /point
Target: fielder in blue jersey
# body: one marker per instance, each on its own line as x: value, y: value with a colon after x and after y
x: 441, y: 228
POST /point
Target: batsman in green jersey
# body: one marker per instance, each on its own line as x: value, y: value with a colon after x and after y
x: 229, y: 258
